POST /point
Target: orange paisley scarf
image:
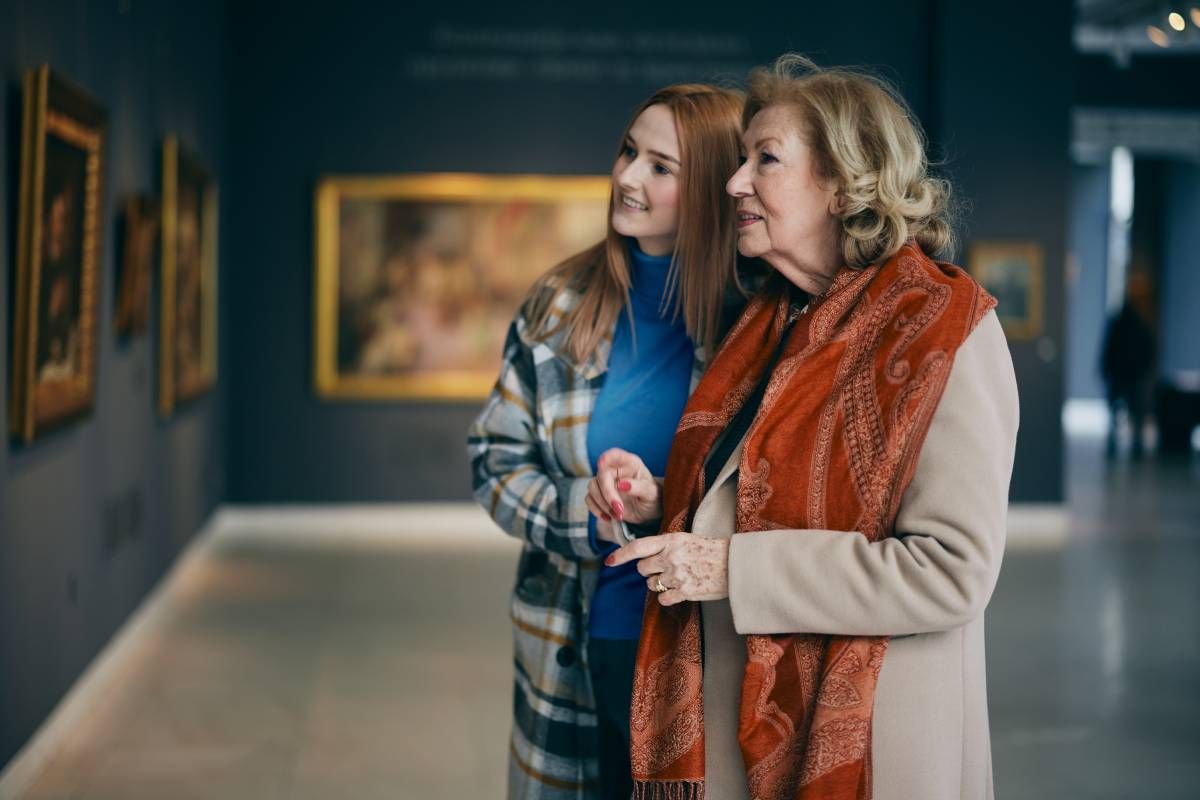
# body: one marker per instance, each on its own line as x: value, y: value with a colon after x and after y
x: 833, y: 447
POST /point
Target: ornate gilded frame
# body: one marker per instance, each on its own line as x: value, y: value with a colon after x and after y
x: 173, y: 388
x: 445, y: 385
x: 53, y: 107
x: 989, y: 261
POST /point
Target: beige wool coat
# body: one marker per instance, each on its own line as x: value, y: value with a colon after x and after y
x: 927, y: 588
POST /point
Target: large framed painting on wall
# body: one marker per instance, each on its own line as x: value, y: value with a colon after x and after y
x: 188, y: 289
x: 418, y: 276
x: 58, y: 255
x: 1012, y: 273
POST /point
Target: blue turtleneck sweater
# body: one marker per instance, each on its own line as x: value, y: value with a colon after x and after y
x: 638, y: 409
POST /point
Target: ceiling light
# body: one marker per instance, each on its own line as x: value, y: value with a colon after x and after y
x: 1195, y: 15
x: 1157, y: 35
x: 1176, y: 20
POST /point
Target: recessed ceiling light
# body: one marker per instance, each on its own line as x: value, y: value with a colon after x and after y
x: 1157, y: 35
x: 1176, y: 20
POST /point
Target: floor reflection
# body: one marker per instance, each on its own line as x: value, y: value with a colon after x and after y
x: 315, y: 655
x: 1094, y: 650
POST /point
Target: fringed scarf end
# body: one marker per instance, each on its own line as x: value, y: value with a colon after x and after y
x: 668, y: 790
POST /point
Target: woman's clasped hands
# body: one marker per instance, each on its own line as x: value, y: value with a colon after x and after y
x: 677, y: 566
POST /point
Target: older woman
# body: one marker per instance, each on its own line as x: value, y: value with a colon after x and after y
x: 834, y: 503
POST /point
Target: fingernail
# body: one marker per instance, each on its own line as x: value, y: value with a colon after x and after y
x: 607, y: 518
x: 619, y: 509
x: 608, y: 561
x: 624, y: 486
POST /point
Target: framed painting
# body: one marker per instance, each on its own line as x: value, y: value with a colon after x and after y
x: 139, y: 235
x: 418, y: 276
x: 58, y: 255
x: 1012, y: 273
x: 188, y: 289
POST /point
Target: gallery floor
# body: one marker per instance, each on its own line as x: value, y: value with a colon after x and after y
x: 364, y: 654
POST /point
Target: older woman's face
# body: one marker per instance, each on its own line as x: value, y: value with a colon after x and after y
x: 786, y: 214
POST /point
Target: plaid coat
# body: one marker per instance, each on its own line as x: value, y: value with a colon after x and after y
x: 530, y: 466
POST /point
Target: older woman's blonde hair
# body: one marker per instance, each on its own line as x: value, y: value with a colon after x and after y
x: 865, y: 139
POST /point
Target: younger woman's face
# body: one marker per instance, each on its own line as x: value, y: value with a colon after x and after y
x: 646, y: 182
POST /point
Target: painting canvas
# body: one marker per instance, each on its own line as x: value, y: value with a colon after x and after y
x: 188, y: 299
x: 1012, y: 273
x: 58, y: 255
x: 418, y: 277
x: 139, y: 235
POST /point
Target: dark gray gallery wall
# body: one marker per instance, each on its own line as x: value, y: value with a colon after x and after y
x: 1180, y: 290
x: 65, y: 583
x: 346, y: 91
x: 1004, y: 84
x: 1086, y: 284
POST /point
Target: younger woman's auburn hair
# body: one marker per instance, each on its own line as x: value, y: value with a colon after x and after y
x: 708, y: 124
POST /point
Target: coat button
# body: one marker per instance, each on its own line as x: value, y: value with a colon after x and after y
x: 565, y: 656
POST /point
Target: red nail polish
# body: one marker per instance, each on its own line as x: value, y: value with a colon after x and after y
x: 624, y: 486
x: 619, y: 509
x: 607, y: 518
x: 608, y: 561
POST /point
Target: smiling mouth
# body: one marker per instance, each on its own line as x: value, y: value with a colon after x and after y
x: 745, y: 218
x: 635, y: 205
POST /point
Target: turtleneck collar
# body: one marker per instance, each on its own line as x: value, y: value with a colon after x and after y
x: 649, y: 281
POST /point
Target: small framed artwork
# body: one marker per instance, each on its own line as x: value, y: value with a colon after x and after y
x: 139, y: 235
x: 188, y: 289
x: 1012, y: 273
x: 418, y: 276
x: 58, y: 255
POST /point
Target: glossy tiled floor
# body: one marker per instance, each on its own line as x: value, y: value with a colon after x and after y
x: 310, y: 656
x: 1094, y: 650
x: 365, y: 655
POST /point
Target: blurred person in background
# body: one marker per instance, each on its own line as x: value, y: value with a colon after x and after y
x: 1127, y: 360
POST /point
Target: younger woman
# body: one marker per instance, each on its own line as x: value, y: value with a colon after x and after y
x: 604, y: 353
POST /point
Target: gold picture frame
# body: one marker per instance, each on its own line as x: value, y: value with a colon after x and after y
x: 188, y: 289
x: 417, y: 277
x: 58, y: 255
x: 1013, y: 272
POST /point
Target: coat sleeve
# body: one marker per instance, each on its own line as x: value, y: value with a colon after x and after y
x: 509, y: 477
x: 939, y: 571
